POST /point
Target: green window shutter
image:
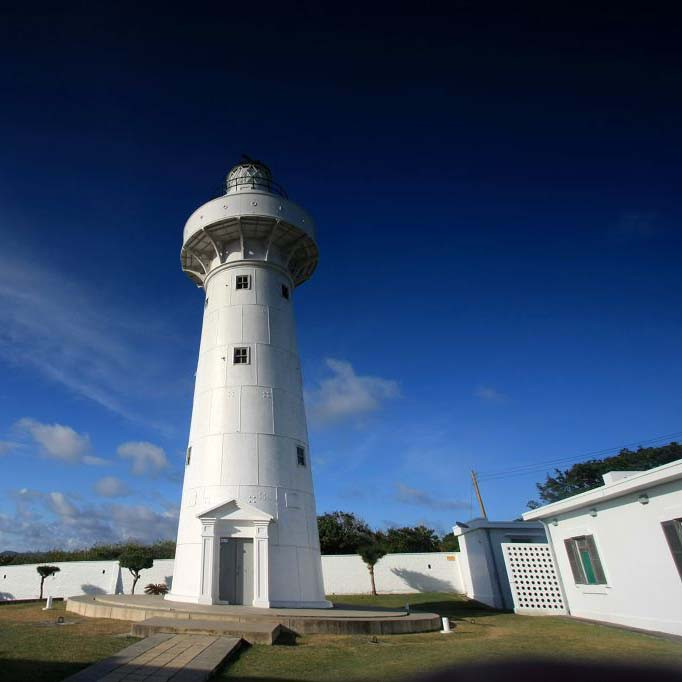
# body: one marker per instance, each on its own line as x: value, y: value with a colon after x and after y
x: 599, y: 577
x: 574, y: 560
x: 673, y: 534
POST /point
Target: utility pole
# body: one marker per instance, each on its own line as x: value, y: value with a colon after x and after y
x: 478, y: 493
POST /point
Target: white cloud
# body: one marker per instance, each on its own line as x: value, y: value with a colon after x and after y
x: 57, y: 440
x: 6, y: 446
x: 490, y: 394
x: 41, y: 520
x: 346, y: 394
x: 408, y: 495
x: 99, y: 349
x: 146, y: 458
x: 110, y: 486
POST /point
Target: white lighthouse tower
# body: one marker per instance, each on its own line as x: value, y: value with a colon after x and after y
x: 248, y: 525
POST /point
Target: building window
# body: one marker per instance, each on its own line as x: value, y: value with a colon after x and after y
x: 673, y: 534
x: 300, y: 455
x: 285, y: 291
x: 206, y: 303
x: 189, y: 455
x: 584, y: 560
x: 243, y: 282
x: 241, y: 355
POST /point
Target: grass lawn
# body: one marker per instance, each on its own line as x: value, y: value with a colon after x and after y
x: 33, y: 648
x: 479, y: 635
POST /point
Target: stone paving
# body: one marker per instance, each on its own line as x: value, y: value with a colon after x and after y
x: 163, y: 658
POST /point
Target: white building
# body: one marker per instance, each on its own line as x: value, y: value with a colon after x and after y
x: 618, y: 548
x: 480, y: 559
x: 248, y: 526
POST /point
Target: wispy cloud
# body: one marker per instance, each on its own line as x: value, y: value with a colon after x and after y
x: 40, y: 519
x: 60, y: 442
x: 6, y: 446
x: 146, y: 458
x: 407, y: 495
x: 635, y: 226
x: 111, y: 486
x: 95, y: 348
x: 490, y: 394
x: 346, y: 394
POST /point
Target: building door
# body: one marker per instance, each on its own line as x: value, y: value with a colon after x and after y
x: 236, y: 571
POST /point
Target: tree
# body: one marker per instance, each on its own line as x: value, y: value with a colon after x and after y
x: 136, y: 559
x: 46, y: 572
x: 449, y: 543
x: 371, y: 554
x: 342, y: 533
x: 409, y: 539
x: 588, y: 475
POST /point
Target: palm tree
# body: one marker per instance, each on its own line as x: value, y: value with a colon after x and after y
x: 46, y: 572
x: 371, y: 554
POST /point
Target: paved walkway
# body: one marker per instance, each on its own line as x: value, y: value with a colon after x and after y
x: 163, y: 658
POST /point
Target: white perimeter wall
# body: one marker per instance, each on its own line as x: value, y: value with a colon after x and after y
x: 343, y: 574
x: 395, y: 573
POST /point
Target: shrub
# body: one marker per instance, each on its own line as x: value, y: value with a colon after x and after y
x: 158, y: 588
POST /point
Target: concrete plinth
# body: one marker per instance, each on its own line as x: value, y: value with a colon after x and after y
x: 341, y: 619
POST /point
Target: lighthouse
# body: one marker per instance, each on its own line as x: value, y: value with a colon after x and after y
x: 247, y: 530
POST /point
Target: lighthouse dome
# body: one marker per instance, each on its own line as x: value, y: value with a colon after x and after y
x: 248, y: 175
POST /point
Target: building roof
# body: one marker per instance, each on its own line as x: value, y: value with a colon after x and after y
x: 476, y: 524
x: 639, y: 481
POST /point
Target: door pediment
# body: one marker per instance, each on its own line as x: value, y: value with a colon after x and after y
x: 232, y: 510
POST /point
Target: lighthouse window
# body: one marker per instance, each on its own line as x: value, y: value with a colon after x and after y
x: 189, y: 455
x: 300, y: 455
x: 243, y: 282
x: 285, y: 291
x: 241, y: 356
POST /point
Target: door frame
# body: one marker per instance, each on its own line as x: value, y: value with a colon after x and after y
x: 234, y: 520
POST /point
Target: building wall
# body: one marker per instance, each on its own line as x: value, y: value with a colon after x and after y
x: 482, y: 565
x: 395, y: 573
x: 343, y: 574
x: 644, y: 588
x: 74, y: 577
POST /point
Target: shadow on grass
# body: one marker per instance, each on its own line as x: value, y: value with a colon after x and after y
x: 20, y: 670
x: 457, y: 610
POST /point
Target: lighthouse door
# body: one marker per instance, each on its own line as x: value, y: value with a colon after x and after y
x: 236, y: 571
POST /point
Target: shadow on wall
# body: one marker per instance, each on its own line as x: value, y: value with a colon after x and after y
x: 169, y: 581
x: 92, y: 589
x: 6, y: 596
x: 422, y: 582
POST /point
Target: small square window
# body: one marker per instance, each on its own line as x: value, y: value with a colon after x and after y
x: 206, y: 303
x: 189, y: 455
x: 584, y: 560
x: 285, y: 291
x: 673, y: 534
x: 300, y: 455
x: 243, y: 282
x: 241, y: 356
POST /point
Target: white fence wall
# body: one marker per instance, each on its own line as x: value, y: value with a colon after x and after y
x: 74, y: 577
x: 395, y: 573
x: 343, y: 574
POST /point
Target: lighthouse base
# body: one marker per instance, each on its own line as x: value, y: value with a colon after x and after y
x: 340, y: 619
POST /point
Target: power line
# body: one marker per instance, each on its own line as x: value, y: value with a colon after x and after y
x: 540, y: 466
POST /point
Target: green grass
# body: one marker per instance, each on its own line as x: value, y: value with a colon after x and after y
x: 33, y: 648
x: 479, y: 635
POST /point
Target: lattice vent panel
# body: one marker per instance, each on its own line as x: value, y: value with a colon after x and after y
x: 533, y: 578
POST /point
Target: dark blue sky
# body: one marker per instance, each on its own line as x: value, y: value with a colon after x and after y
x: 497, y: 200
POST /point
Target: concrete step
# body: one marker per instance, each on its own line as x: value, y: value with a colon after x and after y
x: 254, y: 633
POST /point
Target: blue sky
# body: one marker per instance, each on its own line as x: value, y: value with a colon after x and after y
x: 497, y: 200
